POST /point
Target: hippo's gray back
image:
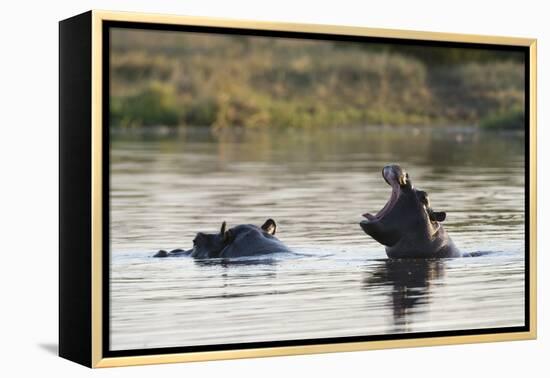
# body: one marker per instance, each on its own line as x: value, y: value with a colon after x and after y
x: 252, y: 241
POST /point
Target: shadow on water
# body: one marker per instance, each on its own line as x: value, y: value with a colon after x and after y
x: 409, y: 281
x: 228, y: 263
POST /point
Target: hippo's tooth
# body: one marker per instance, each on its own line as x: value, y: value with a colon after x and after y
x: 369, y: 216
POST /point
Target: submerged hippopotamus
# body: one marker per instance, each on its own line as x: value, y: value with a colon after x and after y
x: 407, y: 225
x: 240, y: 241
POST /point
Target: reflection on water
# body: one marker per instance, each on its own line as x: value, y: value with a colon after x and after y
x: 409, y: 281
x: 165, y: 188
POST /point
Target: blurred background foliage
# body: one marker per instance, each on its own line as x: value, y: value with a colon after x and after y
x: 220, y: 81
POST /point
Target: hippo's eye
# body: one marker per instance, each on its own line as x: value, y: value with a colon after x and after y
x: 194, y: 242
x: 423, y: 197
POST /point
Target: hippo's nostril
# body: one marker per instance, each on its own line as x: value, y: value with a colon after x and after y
x: 387, y: 174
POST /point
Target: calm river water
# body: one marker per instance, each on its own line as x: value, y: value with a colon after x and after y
x: 315, y: 184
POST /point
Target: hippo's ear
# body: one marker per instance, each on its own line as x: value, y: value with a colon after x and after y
x: 270, y: 226
x: 226, y: 234
x: 438, y: 216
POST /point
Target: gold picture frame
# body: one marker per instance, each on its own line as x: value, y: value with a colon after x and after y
x: 90, y: 328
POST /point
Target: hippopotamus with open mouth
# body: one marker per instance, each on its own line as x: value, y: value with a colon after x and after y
x: 240, y: 241
x: 407, y: 225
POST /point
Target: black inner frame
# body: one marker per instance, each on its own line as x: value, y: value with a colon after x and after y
x: 107, y: 25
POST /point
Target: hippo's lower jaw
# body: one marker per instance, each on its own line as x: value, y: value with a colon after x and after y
x: 378, y: 232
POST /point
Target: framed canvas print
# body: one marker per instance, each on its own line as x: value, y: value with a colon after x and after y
x: 235, y: 189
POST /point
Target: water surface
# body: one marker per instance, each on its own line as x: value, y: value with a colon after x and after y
x: 315, y: 184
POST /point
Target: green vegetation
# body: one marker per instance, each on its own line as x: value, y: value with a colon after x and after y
x: 507, y: 120
x: 154, y: 104
x: 165, y: 78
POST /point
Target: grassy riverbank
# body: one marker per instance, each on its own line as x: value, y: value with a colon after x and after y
x: 170, y: 79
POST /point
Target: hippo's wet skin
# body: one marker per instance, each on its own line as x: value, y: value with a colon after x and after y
x: 407, y: 226
x: 240, y: 241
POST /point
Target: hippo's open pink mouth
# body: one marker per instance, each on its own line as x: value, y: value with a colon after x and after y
x: 395, y: 178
